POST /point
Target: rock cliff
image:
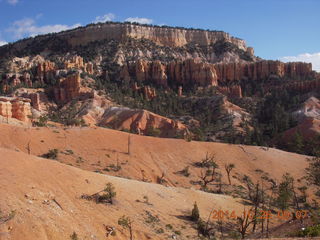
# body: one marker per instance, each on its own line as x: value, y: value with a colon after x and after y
x: 173, y: 38
x: 191, y: 72
x: 168, y: 36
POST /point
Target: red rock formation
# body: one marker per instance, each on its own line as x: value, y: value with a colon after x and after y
x: 183, y: 73
x: 18, y: 108
x: 180, y: 91
x: 45, y: 70
x: 38, y: 97
x: 148, y: 92
x: 191, y: 72
x: 27, y: 79
x: 35, y: 101
x: 16, y: 81
x: 89, y: 68
x: 74, y: 62
x: 21, y: 109
x: 261, y: 70
x: 5, y: 108
x: 77, y: 62
x: 142, y: 122
x: 68, y: 88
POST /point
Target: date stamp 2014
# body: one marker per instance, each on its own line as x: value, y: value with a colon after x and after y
x: 260, y: 214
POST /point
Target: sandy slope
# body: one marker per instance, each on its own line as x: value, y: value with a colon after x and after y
x: 95, y: 148
x: 29, y: 185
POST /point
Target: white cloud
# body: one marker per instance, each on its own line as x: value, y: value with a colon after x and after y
x: 313, y: 58
x: 105, y: 18
x: 2, y: 43
x: 139, y: 20
x: 13, y: 2
x: 27, y: 27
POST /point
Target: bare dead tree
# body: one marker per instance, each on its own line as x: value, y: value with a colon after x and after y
x: 207, y: 176
x: 273, y: 190
x: 228, y: 168
x: 28, y: 148
x: 246, y: 179
x: 129, y: 144
x: 208, y: 173
x: 244, y: 222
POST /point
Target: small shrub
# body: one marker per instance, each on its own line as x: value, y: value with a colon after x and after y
x: 161, y: 179
x: 312, y: 231
x: 74, y: 236
x: 126, y: 223
x: 105, y: 196
x: 42, y: 122
x: 207, y: 162
x: 112, y: 167
x: 185, y: 172
x: 195, y: 215
x: 108, y: 195
x: 52, y: 154
x: 159, y: 231
x: 169, y: 226
x: 151, y: 219
x: 4, y: 219
x: 69, y: 151
x: 151, y: 131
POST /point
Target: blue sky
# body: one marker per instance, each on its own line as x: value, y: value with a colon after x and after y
x: 277, y: 29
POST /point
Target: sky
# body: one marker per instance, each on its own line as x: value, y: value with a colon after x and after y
x: 288, y: 30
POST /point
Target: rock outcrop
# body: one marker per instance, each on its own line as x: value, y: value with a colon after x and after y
x: 68, y: 88
x: 142, y: 122
x: 45, y: 71
x: 18, y: 108
x: 38, y: 97
x: 309, y: 109
x: 178, y: 73
x: 147, y: 91
x: 77, y: 62
x: 261, y: 70
x: 193, y: 73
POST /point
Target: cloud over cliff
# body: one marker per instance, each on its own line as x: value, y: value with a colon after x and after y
x: 313, y: 58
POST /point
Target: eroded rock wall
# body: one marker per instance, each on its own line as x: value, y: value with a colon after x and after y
x: 18, y: 108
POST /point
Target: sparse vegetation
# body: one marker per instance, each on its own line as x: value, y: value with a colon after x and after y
x: 208, y: 173
x: 6, y: 218
x: 127, y: 223
x: 151, y: 219
x: 74, y: 236
x: 52, y: 154
x: 41, y: 122
x: 195, y: 215
x: 161, y: 179
x: 228, y: 168
x: 106, y: 195
x: 185, y: 172
x: 312, y: 231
